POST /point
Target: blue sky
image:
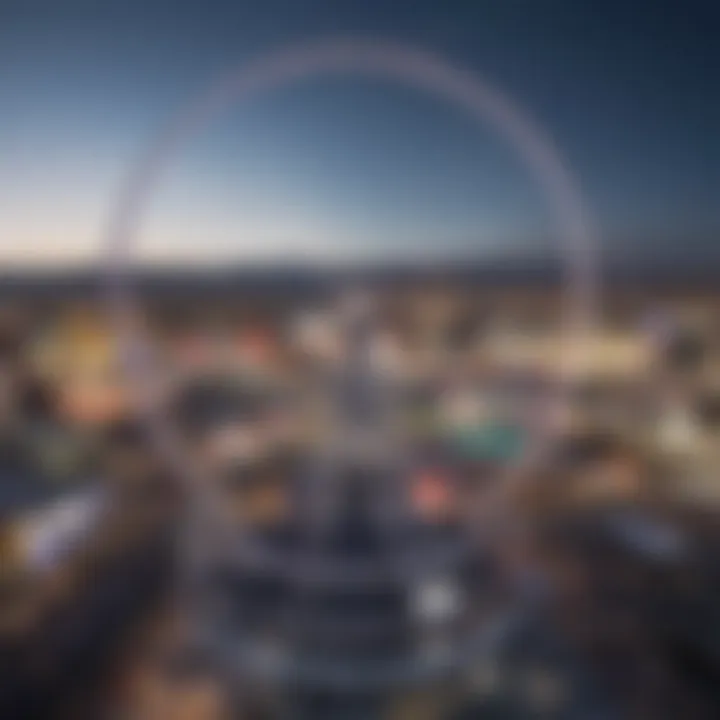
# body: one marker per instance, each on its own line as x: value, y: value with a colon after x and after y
x: 351, y: 168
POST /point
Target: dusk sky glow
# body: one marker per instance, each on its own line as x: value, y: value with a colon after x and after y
x: 348, y: 167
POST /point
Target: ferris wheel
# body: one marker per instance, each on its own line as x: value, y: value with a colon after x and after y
x: 356, y: 593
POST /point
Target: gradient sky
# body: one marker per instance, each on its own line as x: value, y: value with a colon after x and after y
x: 630, y: 92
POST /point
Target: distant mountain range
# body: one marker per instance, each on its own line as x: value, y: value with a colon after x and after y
x: 298, y: 277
